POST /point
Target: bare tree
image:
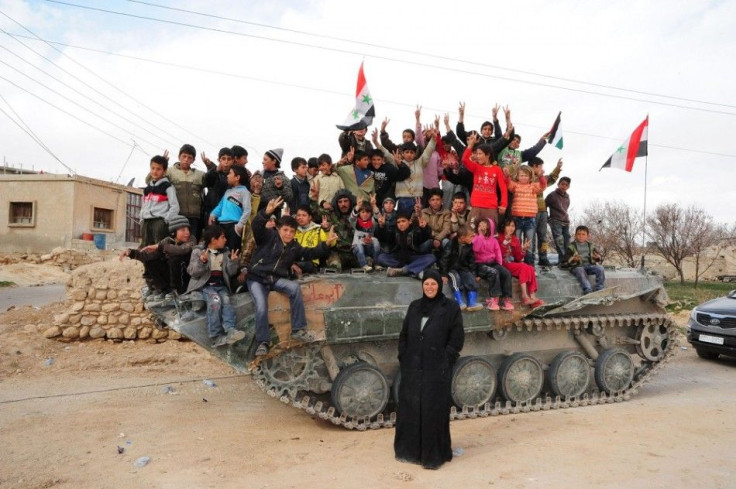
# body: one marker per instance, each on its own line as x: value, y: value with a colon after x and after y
x: 713, y: 235
x: 617, y: 227
x: 679, y: 233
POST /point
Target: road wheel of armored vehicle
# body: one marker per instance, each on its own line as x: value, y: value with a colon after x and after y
x: 653, y: 339
x: 521, y: 378
x: 360, y: 390
x: 473, y: 382
x: 569, y: 374
x: 614, y: 370
x: 288, y: 373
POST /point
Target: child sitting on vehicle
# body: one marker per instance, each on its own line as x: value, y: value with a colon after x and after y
x: 463, y: 269
x: 270, y: 267
x: 584, y: 259
x: 489, y: 260
x: 309, y: 234
x: 365, y: 244
x: 404, y: 256
x: 386, y: 217
x: 211, y: 267
x: 165, y: 263
x: 513, y: 260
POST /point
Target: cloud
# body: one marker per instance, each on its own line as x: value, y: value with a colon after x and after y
x: 290, y: 95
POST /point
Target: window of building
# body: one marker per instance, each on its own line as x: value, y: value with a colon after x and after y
x: 22, y: 214
x: 102, y: 218
x: 133, y: 231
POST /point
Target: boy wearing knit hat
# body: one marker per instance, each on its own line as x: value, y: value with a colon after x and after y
x: 165, y: 263
x: 272, y: 162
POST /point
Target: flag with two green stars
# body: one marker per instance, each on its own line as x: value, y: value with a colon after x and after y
x: 635, y: 146
x: 362, y: 115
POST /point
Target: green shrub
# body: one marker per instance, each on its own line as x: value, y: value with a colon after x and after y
x: 686, y: 296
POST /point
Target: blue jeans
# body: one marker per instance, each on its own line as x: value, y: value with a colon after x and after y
x: 412, y: 265
x: 540, y: 244
x: 526, y: 227
x: 581, y: 273
x: 561, y: 236
x: 220, y: 312
x: 361, y: 250
x: 290, y: 288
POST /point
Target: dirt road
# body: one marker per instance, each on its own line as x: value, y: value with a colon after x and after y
x: 62, y: 421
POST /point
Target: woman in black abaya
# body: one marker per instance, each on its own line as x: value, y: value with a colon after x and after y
x: 429, y: 344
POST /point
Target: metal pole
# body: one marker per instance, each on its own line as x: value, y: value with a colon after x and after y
x: 644, y: 221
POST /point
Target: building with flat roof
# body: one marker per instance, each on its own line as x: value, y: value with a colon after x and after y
x: 45, y: 211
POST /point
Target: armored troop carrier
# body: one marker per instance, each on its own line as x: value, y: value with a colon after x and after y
x: 575, y: 350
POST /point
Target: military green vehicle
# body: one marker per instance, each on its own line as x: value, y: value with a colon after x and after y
x: 574, y: 351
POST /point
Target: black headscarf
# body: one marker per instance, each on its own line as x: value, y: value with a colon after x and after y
x: 427, y: 305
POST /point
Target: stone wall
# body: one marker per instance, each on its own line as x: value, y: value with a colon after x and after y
x: 103, y: 301
x: 65, y: 258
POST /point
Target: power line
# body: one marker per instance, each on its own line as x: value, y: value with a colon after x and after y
x: 126, y: 161
x: 72, y: 101
x: 110, y: 85
x: 38, y: 141
x: 30, y: 133
x: 66, y: 112
x: 387, y: 58
x: 79, y: 93
x: 82, y: 82
x: 434, y: 56
x: 341, y: 94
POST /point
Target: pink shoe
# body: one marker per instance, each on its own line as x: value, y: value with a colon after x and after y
x: 528, y: 301
x: 507, y: 305
x: 492, y: 304
x: 537, y: 303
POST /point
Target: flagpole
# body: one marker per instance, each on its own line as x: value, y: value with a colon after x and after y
x: 644, y: 221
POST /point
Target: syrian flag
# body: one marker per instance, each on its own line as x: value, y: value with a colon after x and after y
x: 362, y: 115
x: 632, y: 148
x: 555, y: 134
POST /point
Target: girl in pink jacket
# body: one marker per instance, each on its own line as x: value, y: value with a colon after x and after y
x: 489, y: 266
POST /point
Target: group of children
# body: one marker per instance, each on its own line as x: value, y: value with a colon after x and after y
x: 371, y: 211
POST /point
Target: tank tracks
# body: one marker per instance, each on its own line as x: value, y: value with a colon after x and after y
x: 292, y: 391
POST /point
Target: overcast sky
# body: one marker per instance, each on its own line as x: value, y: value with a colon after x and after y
x: 282, y: 74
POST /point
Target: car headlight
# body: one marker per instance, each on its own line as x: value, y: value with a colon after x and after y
x: 694, y: 314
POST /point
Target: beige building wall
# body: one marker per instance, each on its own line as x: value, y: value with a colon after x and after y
x: 63, y: 211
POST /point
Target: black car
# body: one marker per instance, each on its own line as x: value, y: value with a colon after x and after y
x: 712, y: 327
